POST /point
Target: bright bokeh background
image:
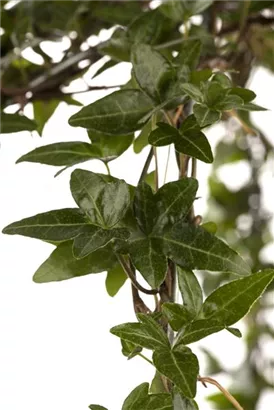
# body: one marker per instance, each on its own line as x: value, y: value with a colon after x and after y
x: 56, y: 350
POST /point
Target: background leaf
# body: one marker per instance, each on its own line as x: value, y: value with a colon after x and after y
x: 15, y: 123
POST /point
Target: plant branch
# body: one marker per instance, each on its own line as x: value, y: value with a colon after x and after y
x: 146, y: 166
x: 132, y: 277
x: 145, y: 358
x: 225, y: 392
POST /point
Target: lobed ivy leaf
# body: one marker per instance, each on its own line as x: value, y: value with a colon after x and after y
x: 115, y: 279
x: 152, y: 70
x: 141, y: 334
x: 105, y: 203
x: 144, y: 206
x: 53, y: 226
x: 140, y: 392
x: 117, y: 113
x: 192, y: 247
x: 226, y: 305
x: 62, y: 153
x: 180, y: 365
x: 147, y: 257
x: 154, y: 328
x: 163, y: 135
x: 176, y: 314
x: 62, y: 265
x: 15, y: 123
x: 174, y: 200
x: 94, y: 237
x: 191, y: 291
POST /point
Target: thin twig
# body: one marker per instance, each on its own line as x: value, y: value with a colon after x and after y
x: 146, y: 166
x: 226, y: 393
x: 194, y: 168
x: 156, y: 179
x: 133, y: 279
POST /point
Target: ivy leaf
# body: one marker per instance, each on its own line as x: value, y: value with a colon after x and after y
x: 142, y: 140
x: 144, y: 207
x: 157, y: 385
x: 189, y: 54
x: 140, y: 392
x: 243, y: 93
x: 62, y: 265
x: 62, y: 153
x: 176, y: 314
x: 174, y: 200
x: 147, y: 257
x: 109, y: 147
x: 115, y: 279
x: 234, y: 331
x: 140, y: 334
x: 117, y: 113
x: 205, y: 116
x: 196, y: 77
x: 42, y: 111
x: 193, y: 92
x: 152, y: 71
x: 104, y: 203
x: 190, y: 290
x: 54, y: 226
x: 97, y: 407
x: 226, y: 305
x: 229, y: 102
x: 214, y: 94
x: 16, y: 123
x: 154, y: 328
x: 222, y: 79
x: 252, y: 107
x: 180, y: 365
x: 192, y: 247
x: 129, y: 349
x: 182, y: 403
x: 163, y: 135
x: 94, y: 238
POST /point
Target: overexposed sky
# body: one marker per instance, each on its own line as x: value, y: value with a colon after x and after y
x: 56, y: 351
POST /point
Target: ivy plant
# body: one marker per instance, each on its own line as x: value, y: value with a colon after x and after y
x: 177, y: 89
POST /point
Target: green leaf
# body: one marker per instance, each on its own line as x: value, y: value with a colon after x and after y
x: 152, y: 71
x: 182, y: 403
x: 214, y: 94
x: 252, y: 107
x: 163, y: 135
x: 230, y: 102
x: 189, y: 54
x: 147, y: 257
x: 154, y: 328
x: 142, y: 140
x: 108, y: 64
x: 176, y: 314
x: 192, y: 247
x: 196, y: 6
x: 195, y: 144
x: 62, y: 153
x: 42, y: 111
x: 210, y: 227
x: 196, y: 77
x: 243, y: 93
x: 109, y: 147
x: 94, y: 238
x: 62, y: 265
x: 96, y: 407
x: 117, y: 113
x: 157, y: 385
x: 149, y: 28
x: 174, y: 200
x: 115, y: 279
x: 56, y: 226
x: 193, y: 92
x: 234, y: 331
x: 138, y: 393
x: 222, y: 79
x: 190, y: 290
x: 16, y: 123
x: 226, y: 305
x: 205, y: 116
x: 144, y: 207
x: 129, y: 349
x: 117, y: 47
x: 140, y: 334
x: 180, y: 365
x: 150, y: 179
x: 104, y: 203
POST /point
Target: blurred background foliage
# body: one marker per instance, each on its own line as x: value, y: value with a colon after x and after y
x: 237, y: 36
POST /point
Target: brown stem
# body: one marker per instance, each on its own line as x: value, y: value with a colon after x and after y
x: 225, y: 392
